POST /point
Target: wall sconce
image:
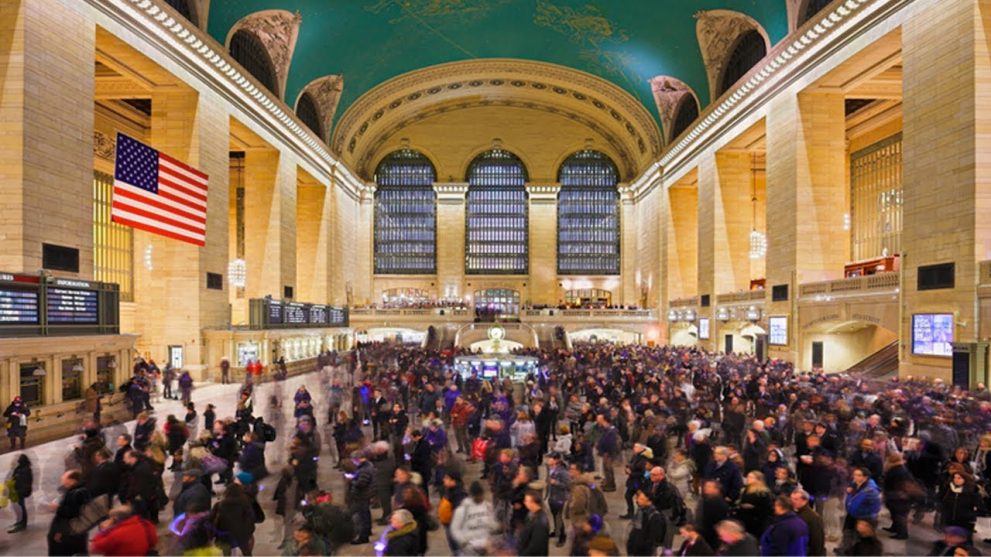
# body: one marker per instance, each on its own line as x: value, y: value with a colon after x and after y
x: 237, y: 273
x: 39, y: 372
x: 673, y: 315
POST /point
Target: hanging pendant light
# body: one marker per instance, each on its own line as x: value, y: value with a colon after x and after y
x: 758, y: 240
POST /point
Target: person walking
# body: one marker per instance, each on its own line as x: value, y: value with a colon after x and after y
x: 863, y: 502
x: 800, y: 503
x: 62, y: 538
x: 123, y: 534
x: 473, y: 521
x: 788, y: 535
x: 534, y: 536
x: 647, y: 532
x: 608, y: 447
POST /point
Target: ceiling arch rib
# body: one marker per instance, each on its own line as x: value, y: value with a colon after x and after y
x: 277, y: 30
x: 326, y: 94
x: 718, y: 32
x: 599, y: 105
x: 668, y: 95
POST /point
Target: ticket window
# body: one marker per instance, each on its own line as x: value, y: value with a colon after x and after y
x: 32, y: 383
x: 105, y: 366
x: 72, y: 379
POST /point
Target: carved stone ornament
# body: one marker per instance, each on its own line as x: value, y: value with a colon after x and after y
x: 668, y: 92
x: 717, y: 32
x: 277, y: 30
x: 326, y: 92
x: 103, y: 145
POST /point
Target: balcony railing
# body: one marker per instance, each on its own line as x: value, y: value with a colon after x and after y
x: 684, y: 302
x: 742, y: 296
x: 869, y: 283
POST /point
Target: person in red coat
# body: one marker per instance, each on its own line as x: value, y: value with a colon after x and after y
x: 124, y: 533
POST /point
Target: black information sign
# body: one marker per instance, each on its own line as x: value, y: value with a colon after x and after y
x: 266, y: 313
x: 73, y: 306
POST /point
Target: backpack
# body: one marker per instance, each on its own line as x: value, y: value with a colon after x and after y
x: 126, y: 386
x: 270, y: 433
x: 597, y: 502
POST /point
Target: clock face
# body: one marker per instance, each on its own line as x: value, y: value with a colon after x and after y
x: 496, y: 333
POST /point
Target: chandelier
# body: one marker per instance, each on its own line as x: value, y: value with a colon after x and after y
x: 237, y: 273
x: 758, y: 240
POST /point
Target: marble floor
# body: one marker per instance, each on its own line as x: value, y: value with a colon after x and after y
x: 48, y: 462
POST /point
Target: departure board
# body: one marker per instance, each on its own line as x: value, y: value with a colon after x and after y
x: 295, y: 313
x: 337, y: 317
x: 73, y: 306
x: 274, y: 312
x: 318, y: 314
x: 18, y: 306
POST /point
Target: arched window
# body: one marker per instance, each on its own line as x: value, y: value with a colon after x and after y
x: 750, y: 49
x: 812, y: 7
x: 496, y: 220
x: 306, y: 109
x: 688, y: 111
x: 249, y: 51
x: 184, y: 9
x: 405, y: 215
x: 588, y: 215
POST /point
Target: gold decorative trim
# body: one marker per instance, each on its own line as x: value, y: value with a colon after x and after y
x: 104, y: 145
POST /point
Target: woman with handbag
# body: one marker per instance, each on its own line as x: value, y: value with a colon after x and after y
x: 20, y: 485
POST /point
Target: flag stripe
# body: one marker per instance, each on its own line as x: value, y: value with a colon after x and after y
x: 194, y: 174
x: 195, y: 224
x: 139, y: 224
x: 151, y: 214
x: 137, y: 194
x: 181, y: 188
x: 183, y: 180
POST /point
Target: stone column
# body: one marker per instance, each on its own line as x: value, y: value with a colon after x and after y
x: 806, y: 199
x: 451, y: 238
x: 314, y: 215
x: 947, y: 166
x: 682, y: 242
x: 270, y: 223
x: 47, y: 52
x: 542, y: 284
x: 627, y: 292
x: 365, y: 245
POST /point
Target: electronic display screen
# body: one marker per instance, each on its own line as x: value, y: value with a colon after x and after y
x: 704, y: 328
x: 318, y: 315
x: 274, y: 312
x: 72, y: 306
x: 18, y: 306
x: 295, y: 314
x: 932, y: 334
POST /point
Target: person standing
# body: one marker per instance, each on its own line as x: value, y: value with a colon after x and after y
x: 736, y: 542
x: 225, y: 371
x: 93, y: 401
x: 22, y: 478
x: 534, y: 537
x: 168, y: 376
x: 186, y: 386
x: 800, y: 503
x: 608, y: 447
x: 558, y: 489
x: 17, y: 422
x: 360, y: 496
x: 863, y: 502
x: 694, y: 544
x: 787, y: 535
x: 635, y: 471
x: 124, y: 533
x: 648, y: 529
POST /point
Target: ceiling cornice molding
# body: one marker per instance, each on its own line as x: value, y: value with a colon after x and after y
x: 206, y: 60
x: 792, y: 58
x: 498, y: 77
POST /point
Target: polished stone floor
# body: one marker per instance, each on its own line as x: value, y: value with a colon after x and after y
x: 48, y: 460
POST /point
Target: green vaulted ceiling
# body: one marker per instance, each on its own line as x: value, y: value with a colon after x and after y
x: 624, y: 41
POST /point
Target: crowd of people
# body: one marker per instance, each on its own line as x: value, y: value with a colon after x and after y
x: 722, y: 455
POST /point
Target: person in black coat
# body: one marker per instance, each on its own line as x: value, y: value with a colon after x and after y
x: 735, y: 541
x: 17, y: 422
x: 143, y: 431
x: 961, y: 503
x: 421, y: 458
x: 726, y: 472
x: 61, y: 540
x: 635, y: 479
x: 694, y: 544
x: 23, y: 477
x: 141, y: 489
x: 898, y: 488
x: 868, y: 459
x: 712, y: 509
x: 360, y: 486
x: 234, y: 518
x: 534, y: 537
x: 194, y: 496
x: 105, y: 476
x: 648, y: 528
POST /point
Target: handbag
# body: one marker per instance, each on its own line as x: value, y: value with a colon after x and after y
x: 213, y: 464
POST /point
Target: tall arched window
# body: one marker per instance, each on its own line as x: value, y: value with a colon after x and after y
x: 812, y: 7
x: 750, y: 49
x: 306, y: 109
x: 496, y: 220
x: 249, y: 51
x: 588, y: 215
x: 405, y: 215
x: 184, y: 8
x: 688, y: 111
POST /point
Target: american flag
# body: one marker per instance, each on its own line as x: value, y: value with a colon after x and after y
x: 154, y: 192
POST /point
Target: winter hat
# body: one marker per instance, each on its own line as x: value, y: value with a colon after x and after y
x: 245, y: 478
